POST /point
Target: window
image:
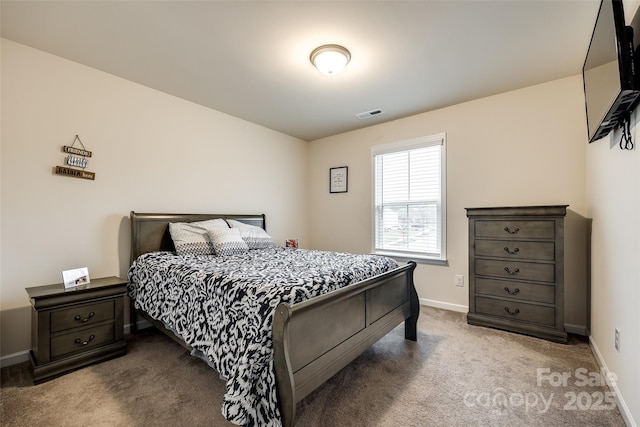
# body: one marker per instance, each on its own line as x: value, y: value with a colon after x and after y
x: 409, y: 198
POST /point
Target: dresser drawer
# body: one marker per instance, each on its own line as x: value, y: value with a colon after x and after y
x: 81, y: 315
x: 537, y: 229
x: 514, y: 310
x: 516, y: 270
x: 544, y: 251
x: 516, y: 290
x: 81, y: 340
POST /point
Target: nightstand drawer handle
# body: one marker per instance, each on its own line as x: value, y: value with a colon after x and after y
x: 79, y: 319
x: 514, y: 231
x: 513, y: 273
x: 513, y: 313
x: 514, y: 292
x: 511, y: 252
x: 81, y: 343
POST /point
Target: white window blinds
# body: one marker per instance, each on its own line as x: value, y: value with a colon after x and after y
x: 409, y: 198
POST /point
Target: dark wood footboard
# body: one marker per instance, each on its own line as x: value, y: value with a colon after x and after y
x: 315, y: 339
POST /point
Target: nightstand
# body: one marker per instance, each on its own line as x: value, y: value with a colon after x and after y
x: 75, y: 327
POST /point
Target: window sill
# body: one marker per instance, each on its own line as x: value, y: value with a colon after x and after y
x: 416, y: 258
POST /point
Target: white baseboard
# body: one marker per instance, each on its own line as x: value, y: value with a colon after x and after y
x: 14, y: 359
x: 444, y: 305
x: 622, y: 406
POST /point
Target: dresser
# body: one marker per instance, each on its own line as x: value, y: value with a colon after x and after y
x: 75, y: 327
x: 517, y: 271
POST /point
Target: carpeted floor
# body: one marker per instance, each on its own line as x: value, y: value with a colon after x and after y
x: 455, y: 375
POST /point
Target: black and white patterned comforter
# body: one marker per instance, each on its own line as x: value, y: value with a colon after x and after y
x: 223, y: 307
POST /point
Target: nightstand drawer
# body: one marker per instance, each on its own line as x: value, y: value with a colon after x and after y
x: 515, y: 229
x: 544, y: 251
x: 516, y: 270
x: 81, y: 315
x: 514, y: 310
x: 81, y: 340
x: 516, y: 290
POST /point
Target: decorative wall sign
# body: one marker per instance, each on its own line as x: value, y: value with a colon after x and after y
x: 75, y: 277
x: 338, y: 179
x: 77, y: 158
x: 75, y: 173
x: 77, y: 151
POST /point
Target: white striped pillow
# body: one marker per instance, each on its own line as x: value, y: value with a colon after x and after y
x: 227, y: 241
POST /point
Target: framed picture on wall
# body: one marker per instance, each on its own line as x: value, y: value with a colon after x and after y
x: 338, y: 178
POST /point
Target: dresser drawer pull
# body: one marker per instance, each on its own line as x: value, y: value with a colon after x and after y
x: 514, y: 231
x: 511, y: 252
x: 513, y: 313
x: 513, y: 273
x: 514, y: 292
x: 79, y: 319
x: 81, y: 343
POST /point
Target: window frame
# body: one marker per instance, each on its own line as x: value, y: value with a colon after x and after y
x: 406, y: 145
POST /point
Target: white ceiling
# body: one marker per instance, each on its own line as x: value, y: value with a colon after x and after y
x: 250, y: 59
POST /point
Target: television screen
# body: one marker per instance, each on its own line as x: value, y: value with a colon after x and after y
x: 608, y: 71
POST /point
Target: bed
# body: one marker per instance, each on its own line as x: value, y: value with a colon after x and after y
x: 308, y: 339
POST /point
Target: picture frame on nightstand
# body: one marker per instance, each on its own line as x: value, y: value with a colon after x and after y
x: 75, y: 277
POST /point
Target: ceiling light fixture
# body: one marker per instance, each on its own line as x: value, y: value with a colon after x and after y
x: 330, y: 59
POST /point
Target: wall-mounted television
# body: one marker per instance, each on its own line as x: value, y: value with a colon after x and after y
x: 610, y: 82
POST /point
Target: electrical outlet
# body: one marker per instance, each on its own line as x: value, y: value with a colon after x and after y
x: 459, y: 280
x: 616, y: 340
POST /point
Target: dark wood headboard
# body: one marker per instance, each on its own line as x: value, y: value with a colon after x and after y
x: 150, y: 231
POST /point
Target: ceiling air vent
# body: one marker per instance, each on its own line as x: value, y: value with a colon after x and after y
x: 369, y: 114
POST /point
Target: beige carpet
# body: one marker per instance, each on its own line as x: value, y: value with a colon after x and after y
x: 455, y: 375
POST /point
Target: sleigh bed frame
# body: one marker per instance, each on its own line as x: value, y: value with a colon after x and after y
x: 313, y: 339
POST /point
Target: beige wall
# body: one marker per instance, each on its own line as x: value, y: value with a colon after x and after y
x: 151, y: 153
x: 525, y: 147
x: 613, y: 201
x: 613, y: 182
